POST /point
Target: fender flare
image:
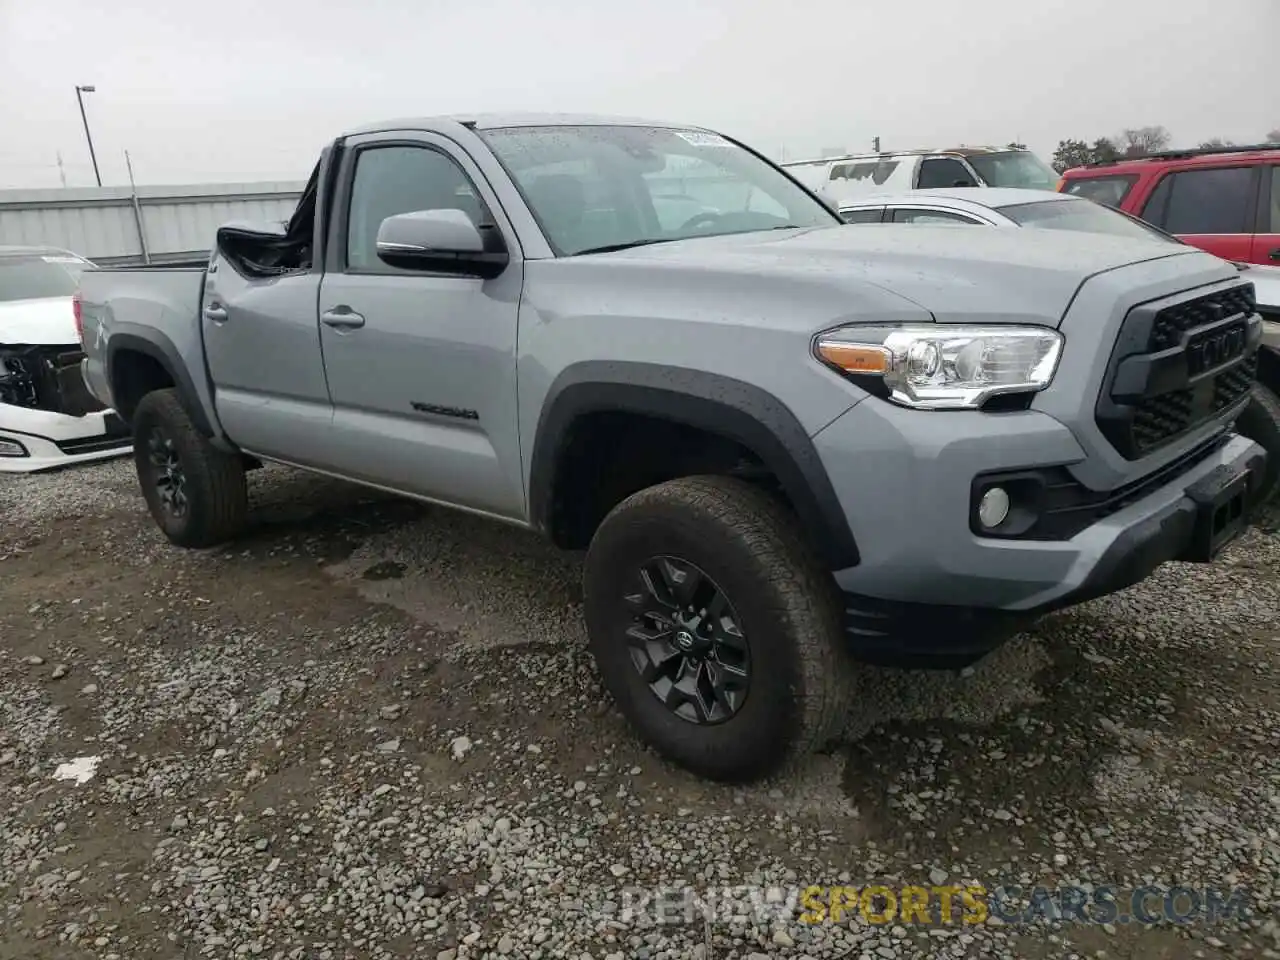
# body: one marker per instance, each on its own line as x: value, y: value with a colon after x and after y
x: 161, y: 349
x: 731, y: 408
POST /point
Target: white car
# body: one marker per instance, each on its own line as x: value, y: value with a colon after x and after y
x: 998, y: 207
x: 48, y: 418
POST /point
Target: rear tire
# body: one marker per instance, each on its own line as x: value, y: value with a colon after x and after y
x: 196, y: 493
x: 1260, y: 422
x: 775, y: 616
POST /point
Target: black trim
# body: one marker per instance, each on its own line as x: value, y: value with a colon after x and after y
x: 161, y: 349
x: 721, y: 405
x: 460, y: 413
x: 905, y: 634
x: 1048, y: 503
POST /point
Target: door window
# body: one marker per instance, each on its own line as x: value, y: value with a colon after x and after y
x: 862, y: 215
x: 1108, y: 190
x: 945, y: 172
x: 1275, y: 200
x: 1204, y: 201
x: 402, y: 179
x: 912, y: 215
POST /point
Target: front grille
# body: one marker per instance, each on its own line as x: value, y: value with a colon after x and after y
x: 1177, y: 368
x: 1172, y: 322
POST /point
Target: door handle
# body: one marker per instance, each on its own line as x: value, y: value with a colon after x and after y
x: 342, y: 318
x: 216, y: 312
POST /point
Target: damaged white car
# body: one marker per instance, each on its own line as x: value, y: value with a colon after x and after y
x: 48, y: 418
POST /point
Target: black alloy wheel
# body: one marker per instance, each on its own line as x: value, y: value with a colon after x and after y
x: 195, y: 492
x: 167, y: 474
x: 715, y: 628
x: 685, y: 641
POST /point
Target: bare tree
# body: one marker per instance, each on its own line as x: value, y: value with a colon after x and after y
x: 1140, y: 141
x: 1015, y: 145
x: 1215, y: 143
x: 1274, y: 136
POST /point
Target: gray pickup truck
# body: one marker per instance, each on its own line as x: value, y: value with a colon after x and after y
x: 785, y: 444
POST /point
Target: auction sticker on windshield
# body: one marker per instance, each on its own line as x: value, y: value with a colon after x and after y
x: 700, y: 139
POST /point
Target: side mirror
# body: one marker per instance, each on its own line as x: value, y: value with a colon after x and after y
x: 441, y: 240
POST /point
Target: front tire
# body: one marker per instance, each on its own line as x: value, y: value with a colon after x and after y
x: 715, y: 628
x: 1260, y: 422
x: 196, y: 493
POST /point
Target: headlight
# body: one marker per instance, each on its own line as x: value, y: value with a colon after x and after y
x: 938, y: 366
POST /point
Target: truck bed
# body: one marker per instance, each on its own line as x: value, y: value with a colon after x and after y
x: 142, y: 301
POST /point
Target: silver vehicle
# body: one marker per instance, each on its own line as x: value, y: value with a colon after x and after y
x: 784, y: 443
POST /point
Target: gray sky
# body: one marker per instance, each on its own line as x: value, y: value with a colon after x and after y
x: 240, y: 90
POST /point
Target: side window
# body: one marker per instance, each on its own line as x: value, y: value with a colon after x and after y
x: 862, y: 215
x: 1209, y: 201
x: 1275, y: 200
x: 944, y: 172
x: 401, y: 179
x: 910, y: 215
x: 1108, y: 190
x: 877, y: 171
x: 1154, y: 210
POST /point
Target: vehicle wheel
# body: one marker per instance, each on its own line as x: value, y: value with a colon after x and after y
x: 196, y: 493
x: 1260, y: 422
x: 715, y: 628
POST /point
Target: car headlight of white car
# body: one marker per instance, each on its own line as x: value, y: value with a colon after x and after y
x: 944, y: 366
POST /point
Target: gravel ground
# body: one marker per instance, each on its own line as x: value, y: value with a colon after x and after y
x: 370, y: 729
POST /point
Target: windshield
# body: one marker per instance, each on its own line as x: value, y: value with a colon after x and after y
x: 593, y: 188
x: 33, y: 277
x: 1015, y: 169
x: 1082, y: 215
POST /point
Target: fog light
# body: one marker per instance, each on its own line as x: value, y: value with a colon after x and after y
x: 993, y: 508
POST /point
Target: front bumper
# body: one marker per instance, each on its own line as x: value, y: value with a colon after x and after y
x: 47, y: 440
x: 928, y: 587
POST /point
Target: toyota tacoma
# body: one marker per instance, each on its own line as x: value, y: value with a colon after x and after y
x: 785, y: 444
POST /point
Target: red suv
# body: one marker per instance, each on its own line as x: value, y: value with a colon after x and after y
x: 1225, y: 200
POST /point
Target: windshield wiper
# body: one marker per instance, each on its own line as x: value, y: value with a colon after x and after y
x: 614, y: 247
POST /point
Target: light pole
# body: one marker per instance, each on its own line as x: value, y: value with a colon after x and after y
x: 80, y: 90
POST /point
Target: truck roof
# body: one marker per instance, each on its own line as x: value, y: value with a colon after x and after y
x: 1196, y: 156
x: 889, y: 154
x: 493, y: 121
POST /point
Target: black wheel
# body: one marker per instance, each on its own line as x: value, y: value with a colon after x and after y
x: 196, y: 493
x: 715, y: 628
x: 1260, y: 422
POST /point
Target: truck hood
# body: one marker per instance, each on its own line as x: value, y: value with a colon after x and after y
x: 49, y: 321
x: 953, y: 272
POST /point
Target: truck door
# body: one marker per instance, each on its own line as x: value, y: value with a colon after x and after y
x: 1213, y: 208
x: 421, y: 364
x: 264, y: 360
